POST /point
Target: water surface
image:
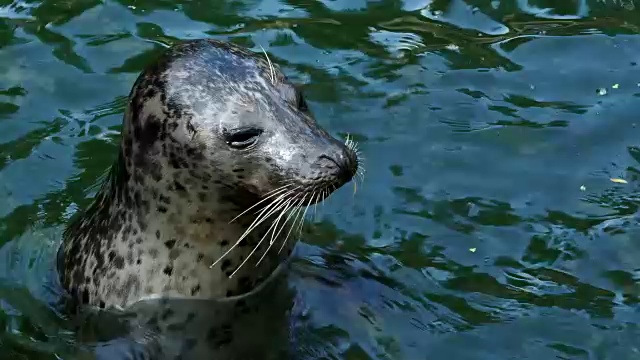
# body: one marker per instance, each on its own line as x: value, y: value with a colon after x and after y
x: 487, y: 226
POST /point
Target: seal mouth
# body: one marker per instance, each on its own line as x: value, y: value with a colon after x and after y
x: 288, y: 203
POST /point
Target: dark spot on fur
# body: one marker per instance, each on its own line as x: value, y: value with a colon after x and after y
x: 179, y: 186
x: 85, y: 296
x: 162, y: 209
x: 164, y: 199
x: 226, y: 263
x: 220, y: 336
x: 195, y: 290
x: 118, y: 262
x: 224, y: 243
x: 112, y: 255
x: 200, y: 256
x: 242, y: 307
x: 244, y: 284
x: 168, y: 270
x: 190, y: 316
x: 173, y: 254
x: 166, y: 314
x: 157, y: 234
x: 170, y: 243
x: 190, y: 128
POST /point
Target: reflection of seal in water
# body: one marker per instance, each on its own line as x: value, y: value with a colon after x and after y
x: 210, y: 130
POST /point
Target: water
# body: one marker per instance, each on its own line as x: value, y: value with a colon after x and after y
x: 487, y: 226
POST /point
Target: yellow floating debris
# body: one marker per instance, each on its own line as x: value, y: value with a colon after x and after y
x: 472, y: 249
x: 619, y: 181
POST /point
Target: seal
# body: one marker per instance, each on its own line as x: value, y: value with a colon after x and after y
x: 219, y: 159
x: 212, y: 132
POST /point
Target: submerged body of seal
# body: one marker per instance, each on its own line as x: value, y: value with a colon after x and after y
x: 210, y: 130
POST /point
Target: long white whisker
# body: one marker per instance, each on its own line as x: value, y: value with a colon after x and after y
x: 288, y: 206
x: 260, y: 242
x: 302, y: 221
x: 273, y: 77
x: 315, y: 205
x: 274, y: 193
x: 298, y: 211
x: 274, y: 236
x: 253, y: 225
x: 324, y: 196
x: 259, y: 219
x: 288, y: 193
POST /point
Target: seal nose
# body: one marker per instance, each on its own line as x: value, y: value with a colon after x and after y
x: 348, y: 163
x: 345, y: 163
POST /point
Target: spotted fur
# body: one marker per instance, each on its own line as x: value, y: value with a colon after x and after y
x: 163, y: 215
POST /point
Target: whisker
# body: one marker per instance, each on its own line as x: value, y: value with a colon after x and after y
x: 290, y: 203
x: 259, y: 219
x: 253, y: 225
x: 324, y: 196
x: 288, y: 192
x: 360, y: 175
x: 302, y: 220
x: 273, y: 77
x: 273, y: 193
x: 298, y: 211
x: 274, y: 236
x: 259, y: 242
x: 315, y: 205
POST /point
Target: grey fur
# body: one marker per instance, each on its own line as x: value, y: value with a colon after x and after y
x: 163, y: 215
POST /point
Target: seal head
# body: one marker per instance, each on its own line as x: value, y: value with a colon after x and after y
x: 211, y: 130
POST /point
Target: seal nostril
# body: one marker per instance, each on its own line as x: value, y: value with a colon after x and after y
x: 328, y: 162
x: 344, y: 164
x: 348, y: 163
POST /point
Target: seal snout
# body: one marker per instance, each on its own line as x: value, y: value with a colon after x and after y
x: 342, y: 165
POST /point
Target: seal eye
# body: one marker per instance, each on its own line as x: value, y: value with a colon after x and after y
x: 242, y: 138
